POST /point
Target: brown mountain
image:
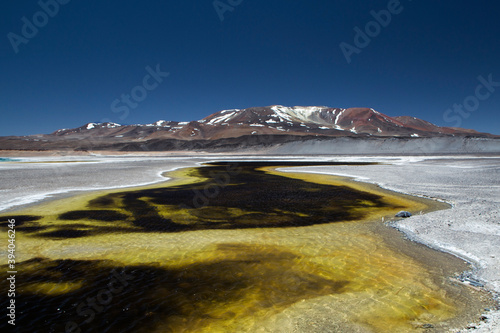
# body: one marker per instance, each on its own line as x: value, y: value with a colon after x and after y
x: 277, y: 120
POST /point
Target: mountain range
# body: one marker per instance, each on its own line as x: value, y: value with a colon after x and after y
x: 277, y: 121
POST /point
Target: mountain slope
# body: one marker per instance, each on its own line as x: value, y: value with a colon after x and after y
x: 323, y: 121
x: 293, y: 122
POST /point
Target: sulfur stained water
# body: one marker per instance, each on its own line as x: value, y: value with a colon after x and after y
x: 233, y: 247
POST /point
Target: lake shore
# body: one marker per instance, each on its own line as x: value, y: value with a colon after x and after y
x: 469, y: 230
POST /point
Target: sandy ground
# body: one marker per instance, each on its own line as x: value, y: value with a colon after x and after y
x: 471, y: 229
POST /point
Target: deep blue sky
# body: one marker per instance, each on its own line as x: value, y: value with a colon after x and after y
x: 264, y: 52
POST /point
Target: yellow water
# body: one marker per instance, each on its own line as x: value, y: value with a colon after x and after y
x: 341, y: 276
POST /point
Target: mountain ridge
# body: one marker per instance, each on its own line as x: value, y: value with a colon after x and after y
x: 277, y: 119
x: 236, y: 127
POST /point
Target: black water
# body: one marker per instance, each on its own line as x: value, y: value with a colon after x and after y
x: 230, y: 196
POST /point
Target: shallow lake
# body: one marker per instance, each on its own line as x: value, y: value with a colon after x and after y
x: 233, y: 247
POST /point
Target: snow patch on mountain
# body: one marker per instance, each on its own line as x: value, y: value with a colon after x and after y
x: 217, y: 120
x: 338, y: 116
x: 299, y: 113
x: 161, y: 123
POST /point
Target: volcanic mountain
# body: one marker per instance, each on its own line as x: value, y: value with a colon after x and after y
x: 276, y: 119
x: 292, y: 122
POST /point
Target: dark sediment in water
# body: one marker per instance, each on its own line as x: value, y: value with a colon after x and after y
x: 240, y: 242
